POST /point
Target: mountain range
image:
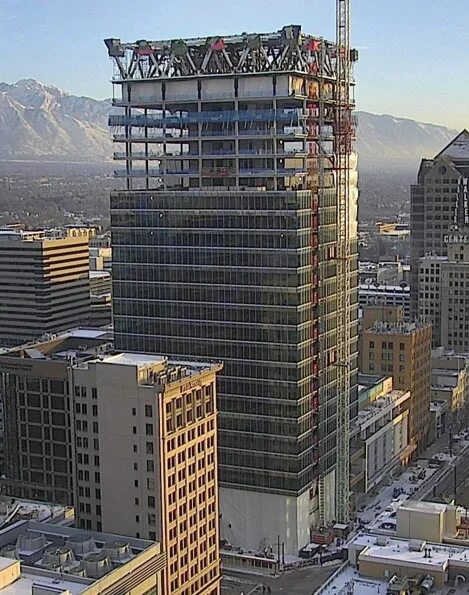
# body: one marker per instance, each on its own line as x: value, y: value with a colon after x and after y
x: 41, y: 122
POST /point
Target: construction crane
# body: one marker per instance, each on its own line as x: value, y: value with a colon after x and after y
x: 343, y: 136
x: 325, y: 158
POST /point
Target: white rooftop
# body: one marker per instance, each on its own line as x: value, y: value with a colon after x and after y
x: 86, y: 333
x: 421, y: 506
x: 133, y: 359
x: 397, y: 551
x: 458, y: 148
x: 347, y: 580
x: 23, y: 585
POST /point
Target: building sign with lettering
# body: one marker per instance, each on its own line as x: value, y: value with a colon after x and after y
x: 456, y: 239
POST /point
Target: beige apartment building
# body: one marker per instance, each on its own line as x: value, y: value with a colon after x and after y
x: 44, y: 285
x: 145, y: 441
x: 403, y: 351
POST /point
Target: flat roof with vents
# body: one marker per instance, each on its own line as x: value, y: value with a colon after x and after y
x: 44, y: 559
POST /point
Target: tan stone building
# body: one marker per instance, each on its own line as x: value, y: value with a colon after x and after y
x: 44, y: 285
x: 403, y: 351
x: 444, y: 293
x: 146, y: 452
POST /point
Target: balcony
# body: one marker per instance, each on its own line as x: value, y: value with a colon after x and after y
x: 291, y: 116
x: 153, y: 173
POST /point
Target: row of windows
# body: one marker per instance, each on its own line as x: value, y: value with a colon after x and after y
x: 272, y: 240
x: 173, y: 255
x: 202, y: 330
x: 207, y: 312
x: 232, y: 201
x: 242, y: 222
x: 195, y: 346
x: 82, y: 391
x: 289, y: 297
x: 274, y: 278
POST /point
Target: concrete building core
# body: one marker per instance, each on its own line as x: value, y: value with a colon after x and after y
x: 225, y: 245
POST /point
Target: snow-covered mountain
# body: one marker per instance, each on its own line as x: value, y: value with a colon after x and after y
x: 398, y: 142
x: 41, y: 122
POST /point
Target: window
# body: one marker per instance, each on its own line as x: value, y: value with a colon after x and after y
x: 135, y: 448
x: 134, y: 429
x: 151, y: 501
x: 149, y: 448
x: 150, y: 466
x: 137, y: 518
x: 134, y: 411
x: 137, y: 501
x: 148, y: 411
x: 149, y: 429
x: 94, y: 393
x: 136, y: 483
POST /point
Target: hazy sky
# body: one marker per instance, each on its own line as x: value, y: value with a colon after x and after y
x: 414, y: 54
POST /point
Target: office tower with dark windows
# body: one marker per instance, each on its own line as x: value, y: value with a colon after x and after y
x: 439, y: 207
x: 225, y: 242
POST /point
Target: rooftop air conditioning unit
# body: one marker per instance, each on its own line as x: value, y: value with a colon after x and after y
x: 76, y: 569
x: 117, y: 551
x: 60, y: 555
x: 382, y: 540
x: 81, y: 544
x: 417, y: 545
x: 97, y: 564
x: 9, y: 551
x: 31, y: 542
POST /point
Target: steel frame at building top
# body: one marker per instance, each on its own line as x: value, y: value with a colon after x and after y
x: 285, y: 50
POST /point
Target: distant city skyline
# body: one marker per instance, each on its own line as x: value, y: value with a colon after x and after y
x: 412, y: 54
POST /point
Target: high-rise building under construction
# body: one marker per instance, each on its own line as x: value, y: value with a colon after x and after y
x: 235, y: 238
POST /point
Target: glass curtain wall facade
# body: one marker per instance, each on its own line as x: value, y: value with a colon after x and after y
x: 222, y: 249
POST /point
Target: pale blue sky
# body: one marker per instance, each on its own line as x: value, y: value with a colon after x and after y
x: 414, y: 53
